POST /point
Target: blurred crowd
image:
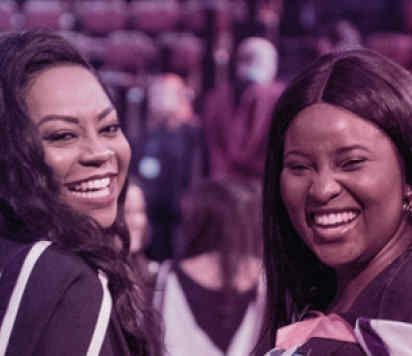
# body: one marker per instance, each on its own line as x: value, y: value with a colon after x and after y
x: 195, y: 82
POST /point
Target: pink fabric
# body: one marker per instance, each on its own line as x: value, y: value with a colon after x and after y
x: 330, y: 326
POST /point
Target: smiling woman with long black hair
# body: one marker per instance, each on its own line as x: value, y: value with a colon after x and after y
x: 337, y: 210
x: 63, y: 165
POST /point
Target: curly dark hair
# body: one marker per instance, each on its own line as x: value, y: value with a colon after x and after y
x: 30, y: 208
x: 366, y: 84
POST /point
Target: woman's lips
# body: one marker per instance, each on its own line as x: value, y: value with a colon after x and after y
x: 90, y: 185
x: 333, y: 219
x: 332, y: 225
x: 96, y: 191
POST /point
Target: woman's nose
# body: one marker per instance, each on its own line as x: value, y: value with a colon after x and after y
x: 324, y: 188
x: 96, y: 153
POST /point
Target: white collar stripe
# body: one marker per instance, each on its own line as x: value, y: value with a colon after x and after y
x: 14, y: 303
x: 103, y: 319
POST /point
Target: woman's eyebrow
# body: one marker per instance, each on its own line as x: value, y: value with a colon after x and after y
x: 295, y: 152
x: 104, y: 113
x: 54, y: 117
x: 349, y: 148
x: 72, y: 119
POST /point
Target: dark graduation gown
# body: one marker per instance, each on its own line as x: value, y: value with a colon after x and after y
x: 60, y: 305
x: 388, y: 296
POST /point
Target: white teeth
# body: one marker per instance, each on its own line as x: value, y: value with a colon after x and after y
x: 92, y: 185
x: 334, y: 218
x: 92, y: 194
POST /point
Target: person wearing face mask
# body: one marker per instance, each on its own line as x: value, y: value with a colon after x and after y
x: 168, y: 159
x: 337, y: 210
x: 66, y: 289
x: 236, y: 115
x: 257, y: 61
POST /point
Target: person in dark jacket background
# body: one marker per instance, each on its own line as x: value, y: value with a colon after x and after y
x: 167, y: 161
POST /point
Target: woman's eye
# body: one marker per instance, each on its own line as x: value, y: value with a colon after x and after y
x: 110, y: 130
x: 60, y: 136
x: 353, y: 164
x: 296, y: 168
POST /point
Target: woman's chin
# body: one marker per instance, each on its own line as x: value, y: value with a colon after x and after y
x: 105, y: 218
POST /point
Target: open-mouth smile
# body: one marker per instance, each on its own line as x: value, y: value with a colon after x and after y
x: 91, y: 188
x: 331, y: 219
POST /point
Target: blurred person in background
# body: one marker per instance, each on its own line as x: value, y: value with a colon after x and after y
x: 168, y: 159
x: 236, y: 114
x: 169, y: 102
x: 139, y: 229
x: 135, y: 217
x: 299, y: 17
x: 342, y: 35
x: 211, y: 296
x: 256, y: 18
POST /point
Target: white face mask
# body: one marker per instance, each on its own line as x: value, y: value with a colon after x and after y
x: 257, y: 61
x: 254, y: 74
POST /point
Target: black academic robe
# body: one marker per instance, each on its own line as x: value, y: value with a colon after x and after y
x: 59, y: 307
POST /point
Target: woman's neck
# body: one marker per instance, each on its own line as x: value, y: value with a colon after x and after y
x: 353, y: 280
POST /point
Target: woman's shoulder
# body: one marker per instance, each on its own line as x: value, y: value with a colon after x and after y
x: 48, y: 266
x: 49, y: 251
x: 65, y: 261
x: 63, y: 269
x: 389, y: 296
x: 395, y: 278
x: 62, y: 296
x: 400, y: 275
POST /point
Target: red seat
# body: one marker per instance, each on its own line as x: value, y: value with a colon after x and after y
x: 407, y: 15
x: 186, y: 51
x: 117, y: 79
x: 8, y: 15
x: 397, y: 46
x: 194, y: 15
x: 102, y: 17
x: 154, y: 16
x: 93, y: 48
x: 46, y: 14
x: 129, y: 51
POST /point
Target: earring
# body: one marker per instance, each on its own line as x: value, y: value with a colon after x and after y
x: 407, y: 207
x: 407, y: 202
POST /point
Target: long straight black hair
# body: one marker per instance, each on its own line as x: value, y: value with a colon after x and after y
x: 365, y: 84
x: 30, y: 208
